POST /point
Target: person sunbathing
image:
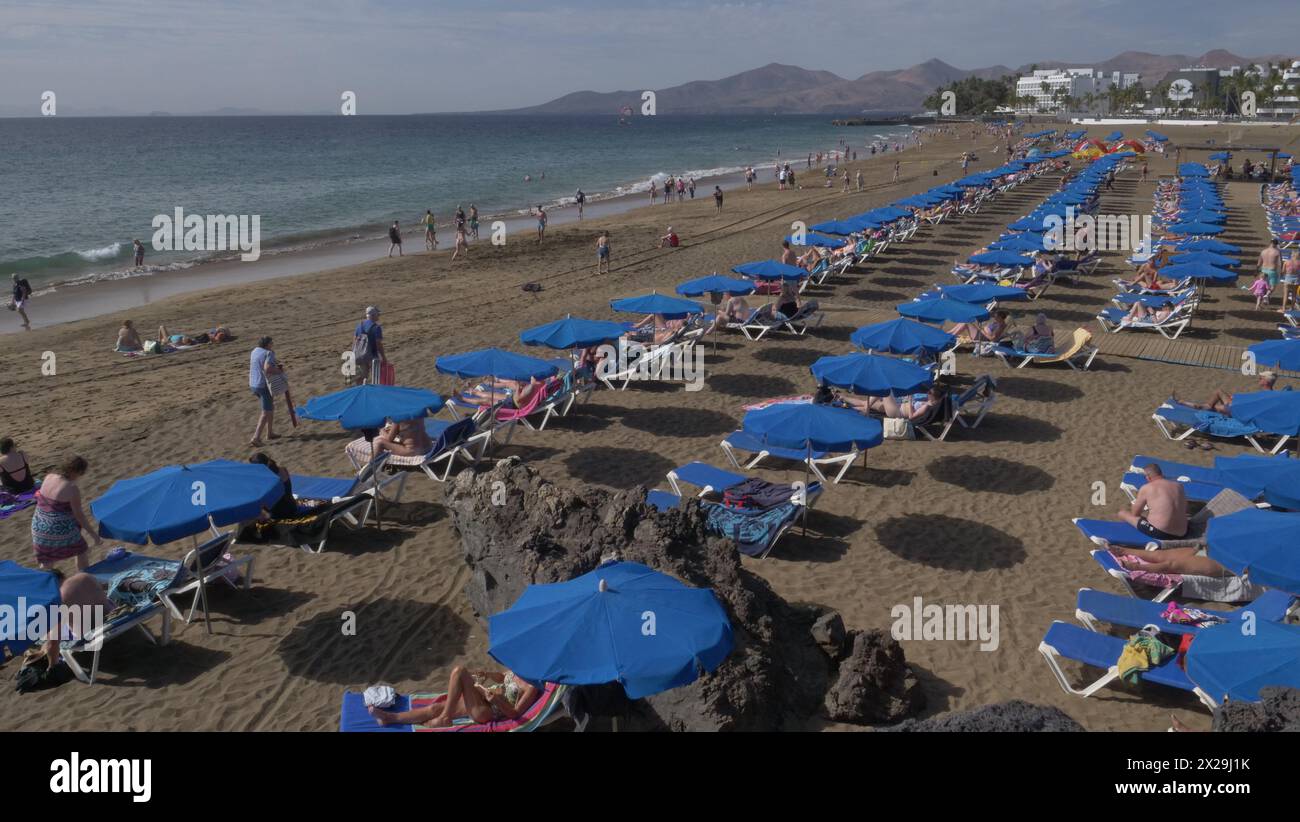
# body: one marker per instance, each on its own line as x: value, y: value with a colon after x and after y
x: 912, y: 408
x: 285, y: 507
x: 1160, y: 508
x: 15, y: 472
x: 1148, y: 278
x: 79, y: 594
x: 734, y: 310
x: 787, y: 301
x: 1039, y: 339
x: 402, y: 439
x: 1186, y: 561
x: 992, y: 331
x: 128, y: 339
x: 653, y: 328
x: 1221, y: 401
x: 1141, y: 312
x: 483, y: 696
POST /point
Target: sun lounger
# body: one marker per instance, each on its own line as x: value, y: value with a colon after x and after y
x: 452, y: 441
x: 367, y: 486
x: 1110, y: 532
x: 1094, y: 608
x: 1195, y: 491
x: 759, y: 323
x: 1172, y: 416
x: 311, y: 528
x: 651, y: 363
x: 740, y: 441
x: 355, y: 718
x: 93, y: 641
x: 200, y: 567
x: 706, y: 477
x: 1079, y: 354
x: 755, y: 533
x: 1066, y: 641
x: 1115, y: 320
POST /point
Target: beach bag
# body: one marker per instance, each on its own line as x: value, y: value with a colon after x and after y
x: 152, y: 347
x: 361, y: 348
x: 278, y: 383
x: 897, y: 429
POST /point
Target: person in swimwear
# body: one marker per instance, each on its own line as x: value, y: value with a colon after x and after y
x: 1220, y: 401
x: 992, y: 331
x: 15, y: 472
x: 483, y: 696
x: 430, y: 230
x: 402, y: 439
x: 128, y: 339
x: 1270, y: 263
x: 1160, y: 508
x: 909, y: 408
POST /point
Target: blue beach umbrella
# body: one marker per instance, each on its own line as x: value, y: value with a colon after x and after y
x: 871, y: 374
x: 940, y: 310
x: 24, y: 593
x: 1004, y: 258
x: 1204, y: 258
x: 1192, y: 170
x: 1207, y: 244
x: 806, y: 425
x: 1227, y: 662
x: 179, y: 500
x: 1201, y: 215
x: 902, y: 336
x: 1019, y: 242
x: 980, y: 293
x: 1258, y: 543
x: 493, y: 362
x: 1198, y: 271
x: 572, y: 332
x: 1276, y: 412
x: 623, y: 622
x: 715, y: 284
x: 370, y: 406
x: 1283, y: 354
x: 814, y: 239
x: 1195, y: 229
x: 1276, y: 479
x: 656, y: 303
x: 770, y: 270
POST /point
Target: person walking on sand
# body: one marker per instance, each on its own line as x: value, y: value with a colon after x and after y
x: 654, y: 192
x: 581, y: 200
x: 473, y: 221
x: 846, y: 181
x: 367, y: 346
x: 430, y: 234
x: 262, y: 365
x: 541, y: 224
x: 58, y: 520
x: 1144, y: 171
x: 859, y: 179
x: 1290, y: 277
x: 462, y: 245
x: 896, y: 167
x: 139, y: 253
x: 717, y: 197
x: 394, y: 239
x: 690, y: 186
x: 602, y: 253
x: 21, y: 294
x: 1270, y: 264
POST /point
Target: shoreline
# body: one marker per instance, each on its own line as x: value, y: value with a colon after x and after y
x: 71, y: 301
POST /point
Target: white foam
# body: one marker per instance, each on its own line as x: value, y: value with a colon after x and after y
x: 105, y: 253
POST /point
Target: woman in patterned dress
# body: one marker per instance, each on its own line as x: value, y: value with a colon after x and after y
x: 59, y: 520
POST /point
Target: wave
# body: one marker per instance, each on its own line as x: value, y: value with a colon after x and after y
x: 108, y: 252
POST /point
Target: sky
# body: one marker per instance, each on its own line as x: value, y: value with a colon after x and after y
x: 397, y: 56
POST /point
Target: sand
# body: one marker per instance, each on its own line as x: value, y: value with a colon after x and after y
x: 981, y: 519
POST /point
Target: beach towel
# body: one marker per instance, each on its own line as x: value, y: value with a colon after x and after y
x: 11, y: 504
x: 756, y: 494
x: 1142, y: 652
x: 141, y: 584
x: 751, y: 531
x: 355, y: 717
x: 1218, y: 425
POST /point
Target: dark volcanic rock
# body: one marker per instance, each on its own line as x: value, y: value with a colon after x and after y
x: 1015, y: 716
x: 875, y: 684
x: 1277, y: 710
x: 537, y: 532
x: 829, y: 634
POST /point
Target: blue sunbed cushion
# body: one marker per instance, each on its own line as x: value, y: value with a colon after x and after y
x: 1218, y: 425
x: 701, y: 474
x: 356, y: 719
x: 1103, y: 651
x: 1115, y: 533
x: 662, y: 500
x: 323, y: 488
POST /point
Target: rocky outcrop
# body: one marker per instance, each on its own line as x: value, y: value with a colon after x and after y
x: 1015, y: 716
x: 1277, y: 710
x: 875, y: 684
x: 516, y: 528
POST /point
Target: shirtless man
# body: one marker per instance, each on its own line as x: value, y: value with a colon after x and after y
x: 1270, y: 263
x: 787, y: 253
x: 1165, y: 505
x: 1221, y: 401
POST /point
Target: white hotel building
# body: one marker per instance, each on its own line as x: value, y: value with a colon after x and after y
x: 1048, y: 87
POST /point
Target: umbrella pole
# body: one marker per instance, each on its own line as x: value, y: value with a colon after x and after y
x: 807, y: 467
x: 199, y: 572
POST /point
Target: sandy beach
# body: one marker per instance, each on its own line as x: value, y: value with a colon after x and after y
x: 983, y: 518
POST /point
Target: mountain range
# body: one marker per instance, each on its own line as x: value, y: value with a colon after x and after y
x: 784, y: 89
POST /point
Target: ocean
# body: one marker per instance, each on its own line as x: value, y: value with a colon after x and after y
x: 79, y: 190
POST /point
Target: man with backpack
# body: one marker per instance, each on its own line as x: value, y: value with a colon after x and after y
x: 367, y: 346
x: 22, y: 292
